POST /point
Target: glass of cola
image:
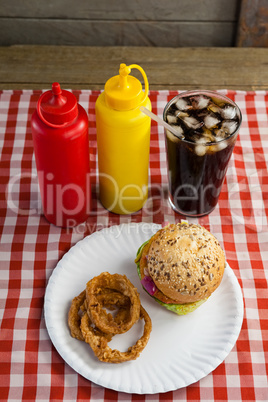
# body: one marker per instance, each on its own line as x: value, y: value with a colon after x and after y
x: 207, y: 124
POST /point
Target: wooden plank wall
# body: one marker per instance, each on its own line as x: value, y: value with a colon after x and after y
x: 253, y: 24
x: 172, y: 23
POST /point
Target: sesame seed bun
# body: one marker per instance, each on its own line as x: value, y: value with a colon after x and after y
x: 184, y: 261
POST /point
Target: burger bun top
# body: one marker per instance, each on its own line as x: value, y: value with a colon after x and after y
x: 186, y: 262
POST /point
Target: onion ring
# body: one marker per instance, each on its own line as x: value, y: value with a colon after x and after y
x: 99, y: 343
x: 108, y: 298
x: 112, y: 299
x: 99, y: 316
x: 74, y: 318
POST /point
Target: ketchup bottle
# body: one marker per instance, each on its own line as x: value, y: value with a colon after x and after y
x: 61, y: 147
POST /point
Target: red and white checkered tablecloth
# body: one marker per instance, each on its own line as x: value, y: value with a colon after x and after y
x: 30, y: 367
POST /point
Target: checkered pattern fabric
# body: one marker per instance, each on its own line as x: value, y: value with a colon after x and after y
x: 30, y: 247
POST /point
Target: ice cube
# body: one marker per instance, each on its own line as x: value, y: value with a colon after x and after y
x: 218, y: 101
x: 228, y: 112
x: 220, y: 135
x: 183, y: 104
x: 200, y: 102
x: 181, y: 114
x: 218, y: 147
x: 192, y: 122
x: 178, y: 128
x: 229, y: 126
x: 214, y: 108
x: 200, y: 149
x: 211, y: 121
x: 171, y: 119
x: 221, y: 145
x: 172, y: 136
x: 208, y: 135
x: 200, y: 140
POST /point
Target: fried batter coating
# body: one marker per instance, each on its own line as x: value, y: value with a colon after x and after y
x: 108, y: 298
x: 106, y: 282
x: 74, y: 318
x: 99, y: 342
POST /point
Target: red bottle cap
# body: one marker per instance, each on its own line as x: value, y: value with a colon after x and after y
x: 57, y: 107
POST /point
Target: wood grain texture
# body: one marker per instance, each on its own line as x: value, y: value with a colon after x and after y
x: 138, y: 10
x: 36, y: 67
x: 253, y: 24
x: 115, y: 33
x: 161, y: 23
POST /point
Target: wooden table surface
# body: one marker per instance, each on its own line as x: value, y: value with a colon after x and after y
x: 36, y: 67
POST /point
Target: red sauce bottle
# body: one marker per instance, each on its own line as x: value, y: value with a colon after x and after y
x: 61, y: 147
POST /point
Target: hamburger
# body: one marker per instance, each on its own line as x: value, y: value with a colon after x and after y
x: 180, y: 266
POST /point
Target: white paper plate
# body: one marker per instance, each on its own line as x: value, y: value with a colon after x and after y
x: 181, y: 349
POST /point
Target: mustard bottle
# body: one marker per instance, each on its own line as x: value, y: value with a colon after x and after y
x: 123, y: 142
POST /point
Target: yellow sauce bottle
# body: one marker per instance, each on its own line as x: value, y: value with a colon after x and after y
x: 123, y: 140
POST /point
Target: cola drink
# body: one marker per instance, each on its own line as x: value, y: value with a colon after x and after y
x: 207, y: 124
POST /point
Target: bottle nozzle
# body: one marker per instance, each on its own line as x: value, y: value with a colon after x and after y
x: 124, y: 71
x: 58, y: 99
x: 56, y: 89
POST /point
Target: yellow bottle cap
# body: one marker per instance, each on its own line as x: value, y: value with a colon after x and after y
x: 123, y: 91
